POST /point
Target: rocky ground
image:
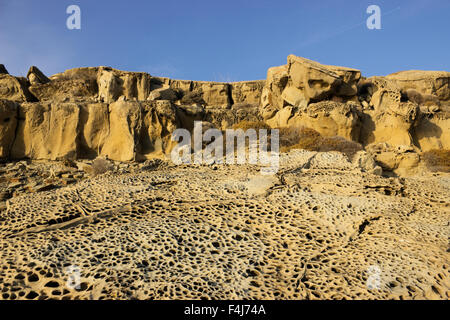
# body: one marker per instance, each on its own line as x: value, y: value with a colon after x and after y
x: 321, y: 228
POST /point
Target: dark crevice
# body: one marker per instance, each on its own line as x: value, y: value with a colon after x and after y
x: 230, y: 94
x: 70, y: 221
x: 16, y: 131
x: 365, y: 223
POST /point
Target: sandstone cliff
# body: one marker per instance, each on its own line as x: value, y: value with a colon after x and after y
x: 334, y: 221
x: 125, y: 116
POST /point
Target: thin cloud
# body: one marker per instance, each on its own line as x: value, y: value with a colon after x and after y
x: 323, y: 36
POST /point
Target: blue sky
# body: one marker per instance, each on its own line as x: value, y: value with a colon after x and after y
x: 223, y: 40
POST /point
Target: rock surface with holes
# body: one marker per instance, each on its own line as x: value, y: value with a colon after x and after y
x: 87, y: 190
x: 321, y: 228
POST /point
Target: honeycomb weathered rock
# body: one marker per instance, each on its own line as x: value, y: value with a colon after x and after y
x: 320, y: 229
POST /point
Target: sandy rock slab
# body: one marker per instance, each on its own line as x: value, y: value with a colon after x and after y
x: 319, y: 229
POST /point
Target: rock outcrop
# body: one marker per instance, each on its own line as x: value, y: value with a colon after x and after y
x: 386, y: 118
x: 329, y: 118
x: 402, y: 160
x: 434, y: 83
x: 46, y: 131
x: 93, y: 129
x: 126, y: 116
x: 406, y: 110
x: 303, y: 81
x: 113, y: 84
x: 14, y: 88
x: 432, y: 131
x: 35, y: 76
x: 307, y: 93
x: 3, y: 69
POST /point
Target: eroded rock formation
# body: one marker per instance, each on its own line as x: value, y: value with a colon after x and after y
x: 319, y: 229
x: 101, y: 111
x: 141, y: 227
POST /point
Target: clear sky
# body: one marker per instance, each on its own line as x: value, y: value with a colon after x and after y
x: 228, y: 40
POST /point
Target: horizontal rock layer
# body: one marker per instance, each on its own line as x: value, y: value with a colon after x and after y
x: 122, y: 130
